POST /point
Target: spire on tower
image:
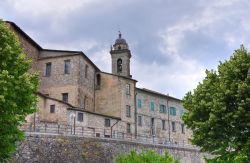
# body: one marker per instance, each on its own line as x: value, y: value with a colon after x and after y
x: 120, y: 34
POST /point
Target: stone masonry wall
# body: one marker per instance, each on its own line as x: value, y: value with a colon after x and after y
x: 52, y: 148
x: 79, y: 86
x: 29, y: 49
x: 146, y: 113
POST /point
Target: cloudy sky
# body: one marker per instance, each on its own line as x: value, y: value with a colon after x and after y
x: 172, y: 41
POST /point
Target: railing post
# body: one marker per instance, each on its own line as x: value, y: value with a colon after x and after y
x: 74, y: 125
x: 58, y: 127
x: 30, y: 127
x: 71, y: 129
x: 45, y: 127
x: 82, y: 131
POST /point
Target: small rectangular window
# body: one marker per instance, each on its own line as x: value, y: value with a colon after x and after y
x: 152, y: 106
x: 67, y: 67
x: 107, y: 122
x: 80, y: 117
x: 139, y: 103
x: 48, y: 69
x: 172, y: 111
x: 65, y: 97
x: 52, y: 109
x: 127, y: 89
x: 128, y: 128
x: 163, y: 124
x: 182, y: 128
x: 139, y: 120
x: 173, y: 127
x: 98, y: 80
x: 182, y: 112
x: 86, y: 71
x: 163, y: 109
x: 128, y: 111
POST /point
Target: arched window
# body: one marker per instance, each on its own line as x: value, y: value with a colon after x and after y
x: 119, y: 65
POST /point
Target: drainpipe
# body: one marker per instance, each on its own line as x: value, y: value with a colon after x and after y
x: 135, y: 94
x: 94, y: 90
x: 34, y: 127
x: 112, y: 127
x: 168, y: 122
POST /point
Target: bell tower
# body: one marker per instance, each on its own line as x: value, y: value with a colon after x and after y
x: 120, y: 55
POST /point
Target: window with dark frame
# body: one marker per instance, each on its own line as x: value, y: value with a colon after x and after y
x: 128, y: 128
x: 48, y: 69
x: 86, y: 71
x: 107, y: 122
x: 163, y: 109
x: 163, y: 124
x: 127, y: 89
x: 173, y: 111
x: 139, y: 105
x: 80, y: 116
x: 98, y: 79
x: 128, y: 111
x: 173, y: 127
x: 139, y: 120
x: 152, y: 106
x: 65, y: 97
x: 67, y: 66
x: 52, y: 109
x: 182, y: 129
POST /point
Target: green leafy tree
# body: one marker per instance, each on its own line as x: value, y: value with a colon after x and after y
x: 219, y: 110
x: 17, y: 88
x: 149, y: 156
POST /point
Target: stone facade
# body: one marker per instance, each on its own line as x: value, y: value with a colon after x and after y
x: 163, y: 124
x: 49, y: 148
x: 113, y: 99
x: 78, y: 83
x: 30, y: 47
x: 73, y: 91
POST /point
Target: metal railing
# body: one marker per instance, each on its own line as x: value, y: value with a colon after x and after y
x: 71, y: 130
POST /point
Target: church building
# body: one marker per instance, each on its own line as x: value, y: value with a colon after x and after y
x: 76, y: 96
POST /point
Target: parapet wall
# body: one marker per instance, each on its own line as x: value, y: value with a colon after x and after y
x: 39, y: 147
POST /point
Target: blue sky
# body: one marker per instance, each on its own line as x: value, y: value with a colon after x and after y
x: 172, y: 42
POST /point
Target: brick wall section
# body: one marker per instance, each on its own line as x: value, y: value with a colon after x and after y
x: 48, y: 148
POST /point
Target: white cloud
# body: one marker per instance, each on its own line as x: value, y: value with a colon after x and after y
x: 175, y: 78
x: 102, y: 59
x: 51, y: 8
x: 78, y: 45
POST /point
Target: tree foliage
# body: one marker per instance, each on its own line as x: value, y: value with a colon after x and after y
x: 149, y: 156
x: 17, y: 88
x: 219, y: 110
